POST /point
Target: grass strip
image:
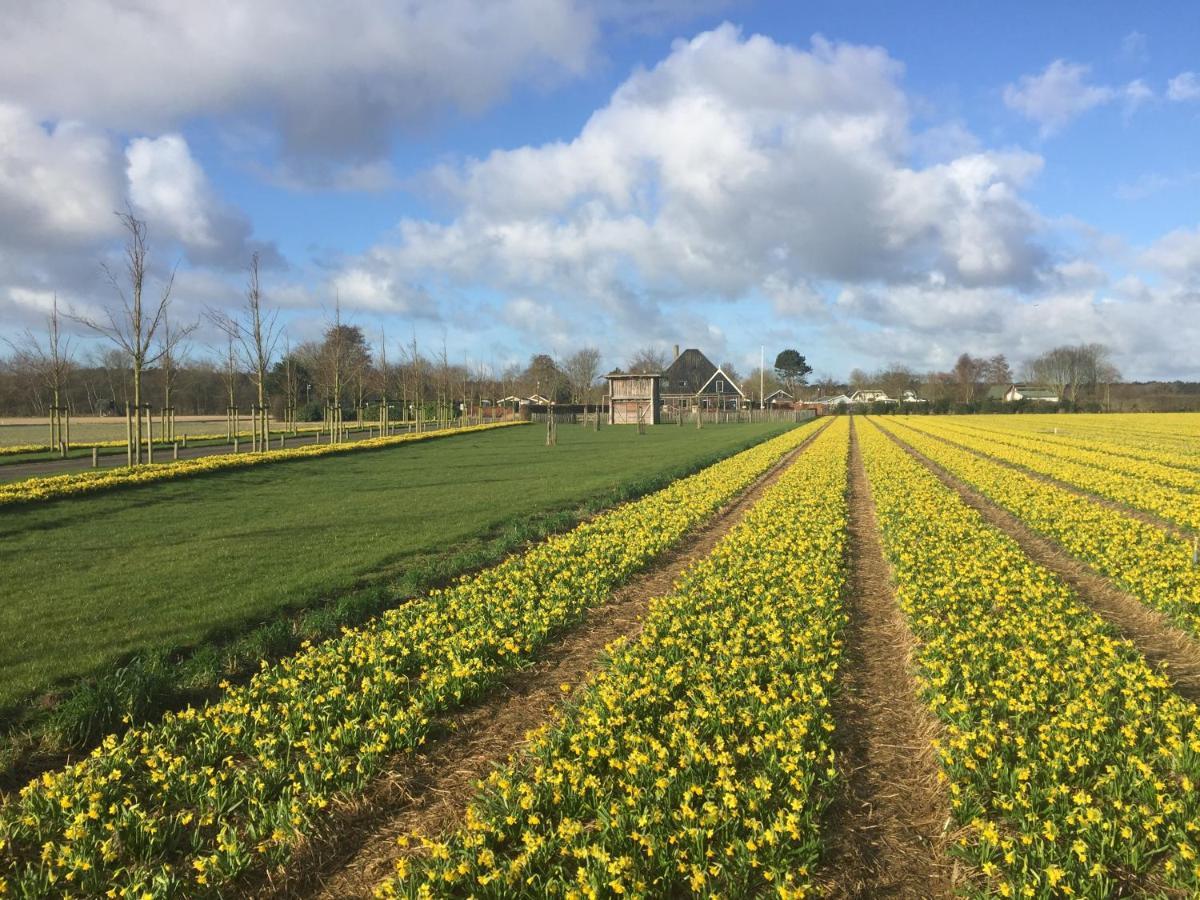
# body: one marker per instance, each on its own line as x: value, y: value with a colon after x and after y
x: 190, y: 803
x: 698, y: 760
x: 53, y: 487
x: 1070, y: 761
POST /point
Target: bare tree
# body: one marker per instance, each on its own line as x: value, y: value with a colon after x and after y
x: 256, y: 333
x: 134, y: 327
x: 968, y: 372
x: 171, y: 350
x: 582, y: 368
x: 50, y: 363
x: 996, y: 370
x: 648, y: 359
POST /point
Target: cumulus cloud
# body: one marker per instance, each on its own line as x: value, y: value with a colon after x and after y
x: 1176, y: 255
x: 58, y: 185
x: 170, y: 190
x: 335, y: 80
x: 735, y: 165
x: 1184, y: 86
x: 1057, y: 96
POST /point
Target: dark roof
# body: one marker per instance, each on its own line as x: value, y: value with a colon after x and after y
x: 997, y: 391
x: 690, y: 371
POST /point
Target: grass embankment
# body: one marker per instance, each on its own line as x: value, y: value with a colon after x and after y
x: 245, y: 564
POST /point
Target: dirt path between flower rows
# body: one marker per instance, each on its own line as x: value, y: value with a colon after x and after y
x: 428, y: 792
x: 887, y: 833
x: 1154, y: 635
x: 1125, y: 509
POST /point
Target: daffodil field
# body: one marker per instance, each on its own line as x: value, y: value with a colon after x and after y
x: 1153, y: 564
x: 1069, y: 758
x: 705, y: 752
x: 698, y: 761
x: 188, y: 804
x: 53, y: 487
x: 1163, y: 490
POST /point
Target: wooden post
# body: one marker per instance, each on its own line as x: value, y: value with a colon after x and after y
x: 95, y: 457
x: 128, y: 436
x: 235, y: 443
x: 175, y: 450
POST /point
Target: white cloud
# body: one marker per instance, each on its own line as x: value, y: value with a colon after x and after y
x: 58, y: 185
x: 170, y: 190
x: 1057, y: 96
x: 733, y: 162
x: 335, y: 80
x: 1177, y: 255
x: 1184, y: 86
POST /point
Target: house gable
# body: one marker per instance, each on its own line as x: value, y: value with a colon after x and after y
x: 717, y: 381
x: 688, y: 374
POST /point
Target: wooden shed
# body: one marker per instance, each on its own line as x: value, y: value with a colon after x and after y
x: 632, y: 398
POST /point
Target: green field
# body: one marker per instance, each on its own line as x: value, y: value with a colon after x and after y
x: 90, y: 580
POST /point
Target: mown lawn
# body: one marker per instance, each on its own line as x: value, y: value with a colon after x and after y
x: 87, y: 581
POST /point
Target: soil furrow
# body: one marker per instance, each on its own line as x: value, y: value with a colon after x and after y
x: 888, y: 835
x: 428, y: 792
x: 1154, y: 635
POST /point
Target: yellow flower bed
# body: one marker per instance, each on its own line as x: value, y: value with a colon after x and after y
x: 1138, y: 459
x: 185, y: 805
x: 1178, y: 503
x: 306, y: 428
x: 1175, y: 473
x: 1152, y: 564
x: 53, y: 487
x: 1069, y: 759
x: 698, y: 761
x: 1175, y: 435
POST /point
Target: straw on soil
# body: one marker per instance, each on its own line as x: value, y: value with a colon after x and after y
x: 888, y: 834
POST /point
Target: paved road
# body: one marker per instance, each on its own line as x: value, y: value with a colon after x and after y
x: 60, y: 466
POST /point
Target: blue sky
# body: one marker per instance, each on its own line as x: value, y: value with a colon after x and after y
x: 872, y: 183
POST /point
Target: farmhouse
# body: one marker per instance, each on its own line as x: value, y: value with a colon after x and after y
x: 779, y: 399
x: 1017, y: 392
x: 633, y: 398
x: 692, y: 380
x: 870, y: 395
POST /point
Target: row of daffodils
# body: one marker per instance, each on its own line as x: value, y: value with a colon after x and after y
x: 1146, y: 489
x: 306, y: 428
x: 1136, y: 459
x: 1070, y: 762
x: 56, y: 486
x: 188, y: 804
x: 697, y: 762
x: 1165, y: 437
x: 1151, y: 563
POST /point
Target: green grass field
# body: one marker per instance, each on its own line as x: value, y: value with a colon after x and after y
x: 90, y: 580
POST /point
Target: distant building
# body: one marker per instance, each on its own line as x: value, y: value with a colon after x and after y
x: 779, y: 399
x: 633, y: 398
x: 910, y: 397
x: 1037, y: 392
x: 692, y: 380
x: 870, y: 395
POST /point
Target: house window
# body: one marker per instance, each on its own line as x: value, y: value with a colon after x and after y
x: 720, y: 386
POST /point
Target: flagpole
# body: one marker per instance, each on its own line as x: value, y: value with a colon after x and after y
x: 762, y: 361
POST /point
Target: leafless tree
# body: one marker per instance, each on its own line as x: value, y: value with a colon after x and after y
x: 648, y: 359
x: 256, y: 333
x: 135, y: 325
x: 968, y: 372
x: 582, y: 368
x: 49, y: 362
